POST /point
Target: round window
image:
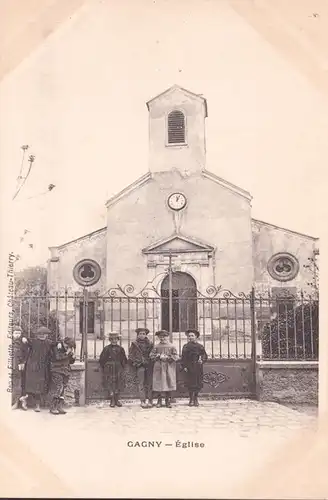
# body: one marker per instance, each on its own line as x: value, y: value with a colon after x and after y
x: 87, y: 272
x: 283, y: 267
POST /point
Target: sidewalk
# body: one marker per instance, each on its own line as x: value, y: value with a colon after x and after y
x: 89, y: 450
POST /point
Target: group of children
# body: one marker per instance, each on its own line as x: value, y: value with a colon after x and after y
x: 43, y: 368
x: 155, y: 367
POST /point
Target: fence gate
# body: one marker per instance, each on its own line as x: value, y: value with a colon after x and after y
x: 234, y: 329
x: 225, y: 321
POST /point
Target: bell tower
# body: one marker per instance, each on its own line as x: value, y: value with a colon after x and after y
x: 177, y: 131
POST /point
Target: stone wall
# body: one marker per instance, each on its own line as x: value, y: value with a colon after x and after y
x: 75, y: 392
x: 222, y: 378
x: 293, y: 382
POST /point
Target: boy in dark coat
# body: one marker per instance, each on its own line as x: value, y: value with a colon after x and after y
x: 61, y: 358
x: 35, y: 361
x: 192, y: 359
x: 112, y: 361
x: 139, y: 357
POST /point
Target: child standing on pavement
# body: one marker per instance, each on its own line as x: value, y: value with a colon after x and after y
x: 62, y: 356
x: 165, y: 356
x: 112, y: 361
x: 139, y: 357
x: 192, y: 359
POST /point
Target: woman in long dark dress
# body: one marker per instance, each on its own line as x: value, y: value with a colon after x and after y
x: 36, y: 365
x: 192, y: 359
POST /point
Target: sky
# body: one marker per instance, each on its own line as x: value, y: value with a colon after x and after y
x: 79, y: 102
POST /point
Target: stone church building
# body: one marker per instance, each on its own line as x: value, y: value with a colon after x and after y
x: 178, y: 212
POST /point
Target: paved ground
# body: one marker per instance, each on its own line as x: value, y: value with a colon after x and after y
x: 88, y: 449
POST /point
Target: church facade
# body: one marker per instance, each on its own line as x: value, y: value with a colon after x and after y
x: 181, y: 216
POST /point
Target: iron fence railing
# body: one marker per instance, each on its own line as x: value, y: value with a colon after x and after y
x: 231, y: 326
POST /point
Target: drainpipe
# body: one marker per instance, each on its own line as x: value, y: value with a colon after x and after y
x: 214, y: 267
x: 170, y: 297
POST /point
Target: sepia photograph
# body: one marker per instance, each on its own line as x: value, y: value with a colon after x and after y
x: 163, y: 179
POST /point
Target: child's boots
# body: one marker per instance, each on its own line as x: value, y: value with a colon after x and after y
x: 23, y: 402
x: 168, y: 402
x: 117, y: 401
x: 60, y: 407
x: 54, y: 407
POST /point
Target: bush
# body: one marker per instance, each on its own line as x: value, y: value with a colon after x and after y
x: 31, y: 306
x: 286, y: 334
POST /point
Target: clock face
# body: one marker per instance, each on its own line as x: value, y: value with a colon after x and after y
x: 177, y: 201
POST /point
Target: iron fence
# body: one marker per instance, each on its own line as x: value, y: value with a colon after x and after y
x: 231, y: 326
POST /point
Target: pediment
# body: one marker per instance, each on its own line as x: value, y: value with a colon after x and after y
x: 178, y: 91
x: 178, y: 243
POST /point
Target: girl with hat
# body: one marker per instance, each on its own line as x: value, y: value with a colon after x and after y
x: 192, y: 359
x: 139, y: 357
x: 61, y: 358
x: 112, y: 361
x: 35, y: 363
x: 165, y: 356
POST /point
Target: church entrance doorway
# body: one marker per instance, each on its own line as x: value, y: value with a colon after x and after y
x: 184, y: 302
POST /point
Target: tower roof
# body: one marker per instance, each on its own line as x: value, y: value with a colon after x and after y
x: 183, y: 91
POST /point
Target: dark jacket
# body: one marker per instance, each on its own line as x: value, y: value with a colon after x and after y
x: 35, y: 353
x: 139, y: 352
x: 112, y: 361
x: 191, y: 353
x: 60, y: 359
x: 112, y: 354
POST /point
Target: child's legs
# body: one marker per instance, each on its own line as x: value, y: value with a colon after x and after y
x: 64, y: 385
x: 37, y: 399
x: 141, y: 382
x: 56, y: 385
x: 148, y: 383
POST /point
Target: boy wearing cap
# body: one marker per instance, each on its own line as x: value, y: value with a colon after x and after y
x: 35, y: 362
x: 192, y: 359
x: 139, y: 357
x: 165, y: 356
x: 61, y: 357
x: 112, y: 361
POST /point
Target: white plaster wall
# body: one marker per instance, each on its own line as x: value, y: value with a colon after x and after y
x: 60, y: 273
x: 267, y: 241
x: 213, y: 214
x: 163, y: 157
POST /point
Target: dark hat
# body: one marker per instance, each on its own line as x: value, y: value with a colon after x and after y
x: 70, y: 342
x: 142, y: 330
x: 114, y: 335
x: 192, y: 330
x: 17, y: 329
x: 162, y: 333
x: 43, y: 330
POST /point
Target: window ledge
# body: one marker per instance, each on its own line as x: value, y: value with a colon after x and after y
x: 177, y: 145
